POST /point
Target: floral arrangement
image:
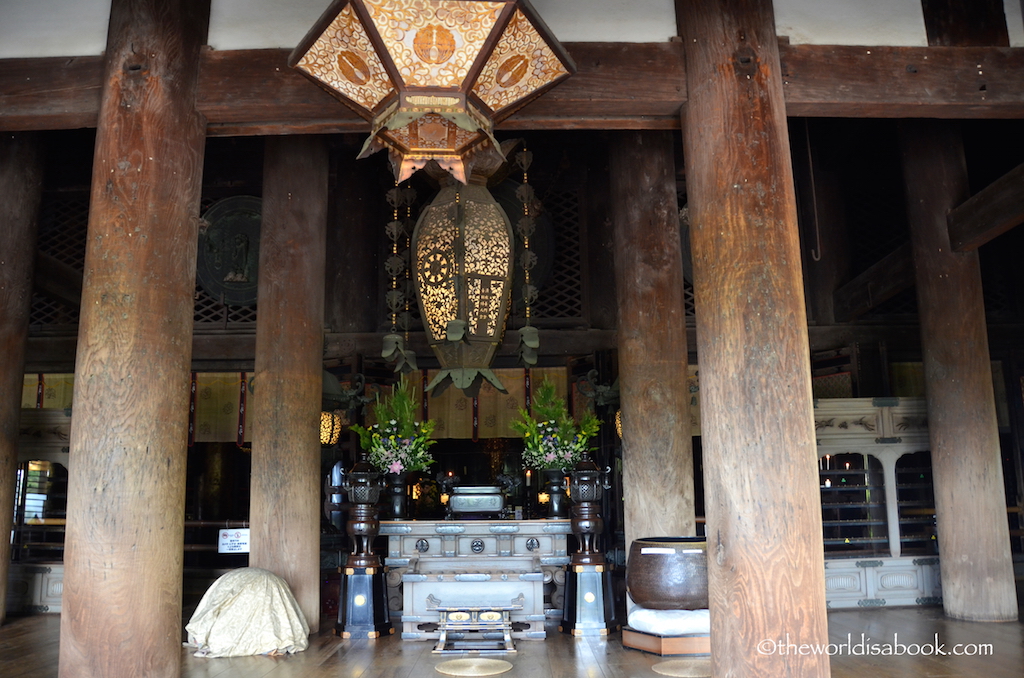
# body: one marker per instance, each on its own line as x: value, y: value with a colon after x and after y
x: 553, y: 439
x: 398, y: 442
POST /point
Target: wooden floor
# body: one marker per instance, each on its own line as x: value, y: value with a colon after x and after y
x: 28, y: 649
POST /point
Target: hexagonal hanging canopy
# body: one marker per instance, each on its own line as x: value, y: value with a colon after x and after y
x: 432, y: 76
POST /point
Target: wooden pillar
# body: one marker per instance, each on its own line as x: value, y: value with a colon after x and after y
x: 765, y: 553
x: 657, y: 443
x: 125, y: 530
x: 21, y: 181
x: 357, y: 214
x: 967, y: 472
x: 284, y: 511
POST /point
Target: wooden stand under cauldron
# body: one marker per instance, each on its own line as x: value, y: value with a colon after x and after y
x: 668, y: 573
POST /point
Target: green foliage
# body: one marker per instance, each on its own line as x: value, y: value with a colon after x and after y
x: 552, y: 438
x: 398, y: 442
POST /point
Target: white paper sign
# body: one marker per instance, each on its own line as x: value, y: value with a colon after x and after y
x: 234, y: 540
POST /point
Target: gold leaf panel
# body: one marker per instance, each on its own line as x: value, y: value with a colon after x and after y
x: 484, y: 297
x: 520, y: 64
x: 440, y: 305
x: 488, y: 245
x: 435, y: 246
x: 343, y: 59
x: 433, y: 42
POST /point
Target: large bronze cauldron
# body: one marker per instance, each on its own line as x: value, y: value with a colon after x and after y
x: 668, y: 573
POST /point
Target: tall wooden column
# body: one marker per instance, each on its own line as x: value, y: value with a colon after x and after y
x: 657, y: 443
x: 125, y: 530
x: 284, y: 513
x: 357, y: 215
x: 21, y: 181
x: 970, y: 509
x: 765, y: 553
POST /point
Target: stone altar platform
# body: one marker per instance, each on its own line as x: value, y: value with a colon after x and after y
x: 475, y: 563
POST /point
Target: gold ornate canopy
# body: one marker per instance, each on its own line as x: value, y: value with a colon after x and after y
x: 432, y: 76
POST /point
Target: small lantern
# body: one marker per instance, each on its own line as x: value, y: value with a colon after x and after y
x: 433, y: 76
x: 330, y: 427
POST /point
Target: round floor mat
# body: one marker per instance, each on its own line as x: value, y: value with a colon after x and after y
x: 684, y: 668
x: 474, y: 666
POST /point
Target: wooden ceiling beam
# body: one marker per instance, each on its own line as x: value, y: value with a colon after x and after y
x: 989, y: 213
x: 50, y: 93
x: 57, y: 280
x: 880, y: 282
x: 903, y: 82
x: 617, y: 86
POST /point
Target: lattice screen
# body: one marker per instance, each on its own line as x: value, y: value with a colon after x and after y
x: 562, y: 297
x: 50, y: 314
x: 63, y: 218
x: 688, y: 296
x: 63, y: 222
x: 688, y: 303
x: 210, y: 313
x: 62, y: 226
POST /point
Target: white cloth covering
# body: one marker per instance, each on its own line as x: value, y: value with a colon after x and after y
x: 247, y: 611
x: 670, y: 622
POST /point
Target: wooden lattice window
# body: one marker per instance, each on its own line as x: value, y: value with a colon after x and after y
x: 63, y: 221
x: 562, y: 298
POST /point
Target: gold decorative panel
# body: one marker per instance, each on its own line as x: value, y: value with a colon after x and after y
x: 451, y: 411
x: 497, y: 410
x: 343, y: 59
x: 488, y: 250
x: 520, y: 64
x: 216, y: 413
x: 55, y: 391
x: 435, y: 276
x: 434, y: 42
x: 488, y: 263
x: 484, y: 299
x: 430, y: 132
x: 443, y: 305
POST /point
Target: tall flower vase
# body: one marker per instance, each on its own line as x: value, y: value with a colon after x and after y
x: 397, y: 495
x: 554, y: 486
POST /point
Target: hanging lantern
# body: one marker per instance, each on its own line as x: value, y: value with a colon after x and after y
x: 330, y: 427
x: 462, y: 261
x: 432, y: 76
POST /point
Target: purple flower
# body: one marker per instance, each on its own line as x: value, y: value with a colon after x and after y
x: 396, y: 467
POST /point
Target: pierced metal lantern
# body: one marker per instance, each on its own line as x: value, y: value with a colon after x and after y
x: 463, y: 266
x: 432, y: 76
x: 330, y: 427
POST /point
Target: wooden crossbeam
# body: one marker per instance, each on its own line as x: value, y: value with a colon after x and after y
x: 617, y: 86
x: 57, y: 280
x: 989, y: 213
x: 880, y: 282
